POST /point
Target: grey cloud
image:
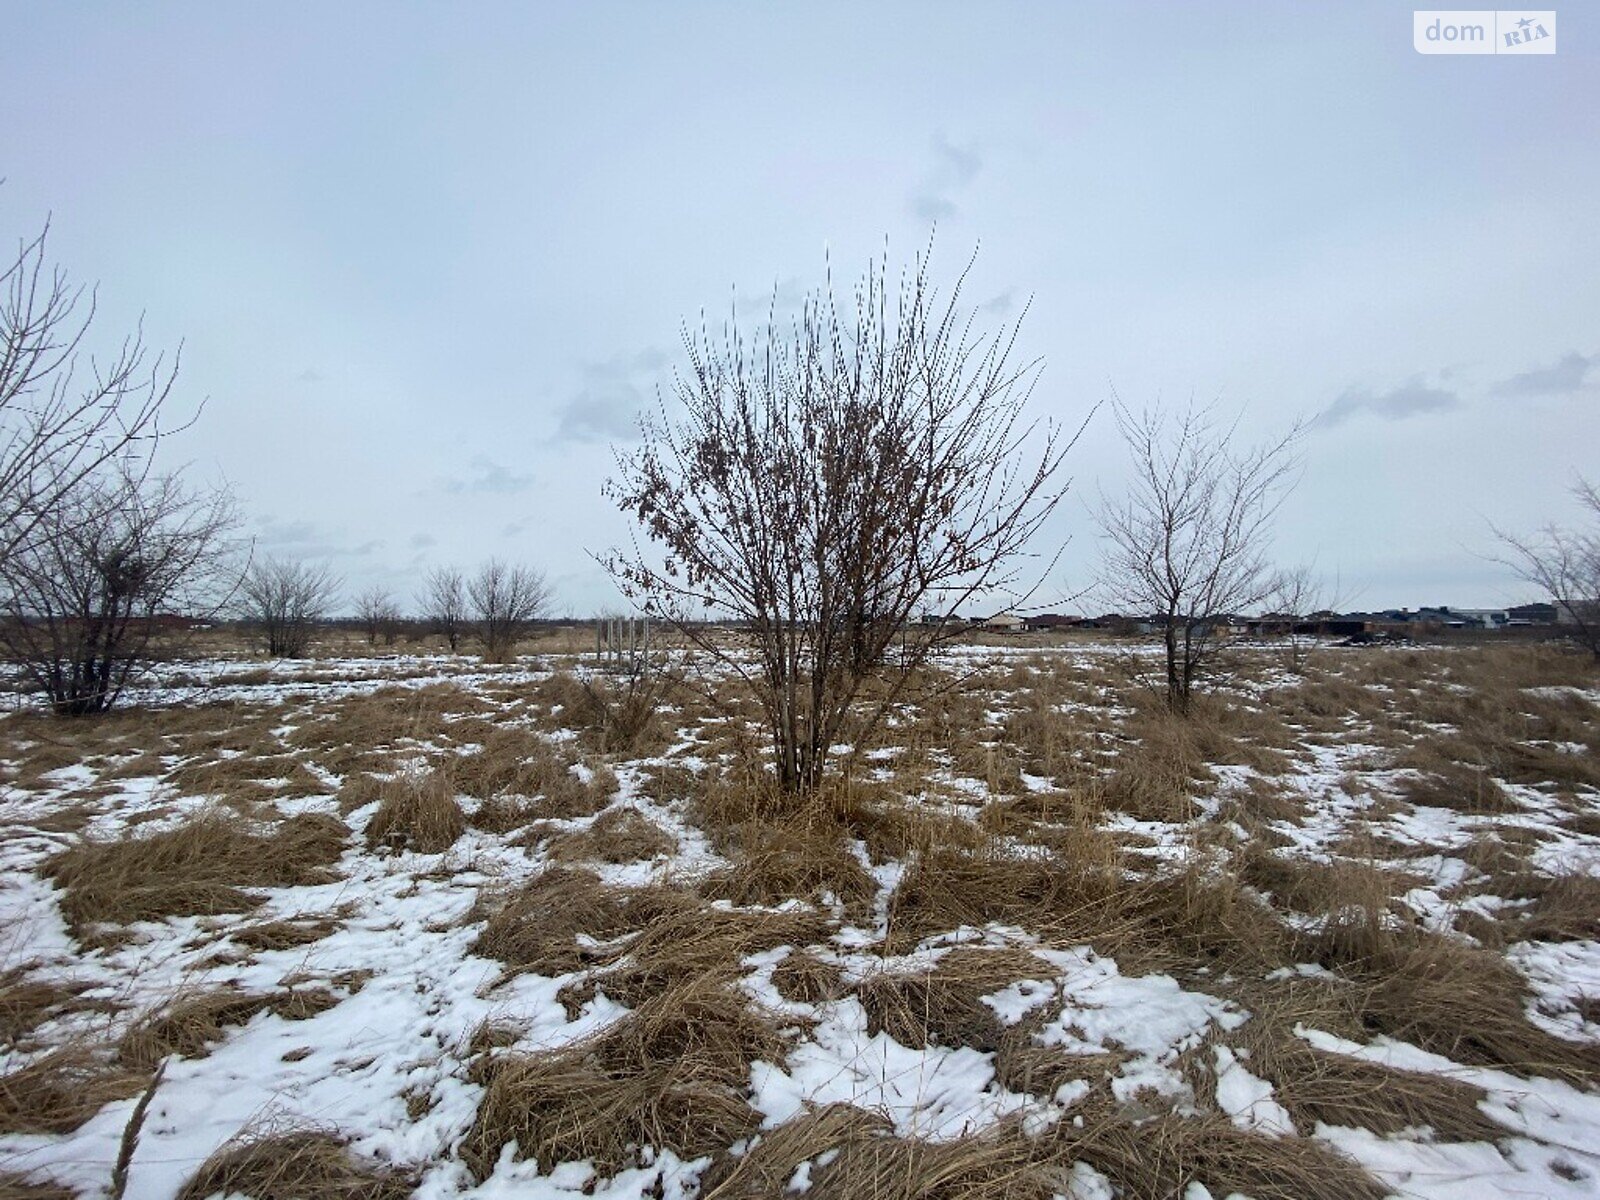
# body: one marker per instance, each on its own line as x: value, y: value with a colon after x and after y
x: 489, y: 476
x: 303, y: 539
x: 309, y: 375
x: 953, y: 168
x: 514, y: 528
x: 614, y: 394
x: 1561, y: 379
x: 1002, y: 304
x: 421, y: 541
x: 1410, y: 399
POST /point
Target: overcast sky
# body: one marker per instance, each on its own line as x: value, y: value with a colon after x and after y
x: 427, y: 260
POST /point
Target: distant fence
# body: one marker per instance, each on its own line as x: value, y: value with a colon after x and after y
x: 622, y: 643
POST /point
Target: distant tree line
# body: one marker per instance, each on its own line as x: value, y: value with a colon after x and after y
x: 812, y: 488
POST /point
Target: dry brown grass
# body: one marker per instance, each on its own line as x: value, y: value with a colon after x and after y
x: 537, y: 927
x: 618, y: 835
x: 1334, y: 1089
x: 944, y: 1006
x: 672, y: 1074
x: 386, y: 717
x: 854, y: 1155
x: 58, y: 1091
x: 795, y: 860
x: 1448, y: 996
x: 305, y: 1164
x: 1323, y: 888
x: 285, y: 934
x: 199, y: 867
x: 1465, y: 789
x: 26, y: 1004
x: 417, y: 813
x: 1161, y: 1156
x: 191, y: 1027
x: 25, y: 1187
x: 804, y: 978
x: 681, y: 939
x: 521, y: 776
x: 944, y: 889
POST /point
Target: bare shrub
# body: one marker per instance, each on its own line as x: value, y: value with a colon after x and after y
x: 379, y: 615
x: 823, y: 488
x: 1564, y: 564
x: 444, y: 604
x: 285, y: 601
x: 65, y: 415
x: 504, y: 601
x: 86, y: 596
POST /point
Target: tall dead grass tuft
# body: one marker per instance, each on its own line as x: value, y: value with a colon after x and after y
x: 618, y: 835
x: 418, y: 814
x: 796, y: 860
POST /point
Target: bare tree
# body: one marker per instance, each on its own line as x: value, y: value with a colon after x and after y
x: 65, y: 415
x: 1302, y: 600
x: 821, y: 484
x: 1188, y: 543
x: 284, y: 601
x: 379, y: 615
x: 103, y: 573
x: 444, y: 603
x: 503, y: 600
x: 1564, y: 564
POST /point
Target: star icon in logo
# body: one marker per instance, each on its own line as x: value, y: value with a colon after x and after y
x: 1524, y: 23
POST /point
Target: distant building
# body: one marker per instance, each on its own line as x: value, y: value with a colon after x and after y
x: 1045, y: 622
x: 1005, y: 623
x: 1531, y: 614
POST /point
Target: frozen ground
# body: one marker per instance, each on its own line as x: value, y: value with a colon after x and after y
x: 390, y: 1063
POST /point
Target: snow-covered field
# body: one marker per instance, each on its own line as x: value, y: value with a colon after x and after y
x: 1386, y: 869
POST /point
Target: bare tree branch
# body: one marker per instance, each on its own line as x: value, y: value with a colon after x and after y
x: 820, y: 485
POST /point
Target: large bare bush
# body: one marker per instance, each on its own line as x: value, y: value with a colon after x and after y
x: 285, y: 601
x: 504, y: 600
x: 103, y: 571
x: 819, y: 485
x: 1187, y: 544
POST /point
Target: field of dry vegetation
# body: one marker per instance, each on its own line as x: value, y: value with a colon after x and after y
x: 408, y: 925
